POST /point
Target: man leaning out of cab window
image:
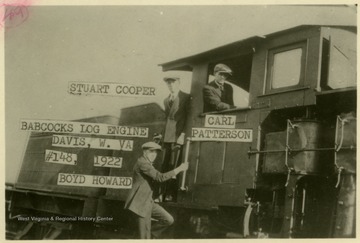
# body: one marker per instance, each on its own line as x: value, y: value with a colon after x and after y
x: 218, y: 95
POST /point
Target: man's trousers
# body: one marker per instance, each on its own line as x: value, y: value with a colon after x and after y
x: 172, y: 160
x: 162, y: 220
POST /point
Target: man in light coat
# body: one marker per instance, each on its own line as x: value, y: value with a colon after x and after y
x: 177, y: 105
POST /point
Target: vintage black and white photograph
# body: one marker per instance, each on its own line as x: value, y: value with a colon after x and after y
x: 219, y: 120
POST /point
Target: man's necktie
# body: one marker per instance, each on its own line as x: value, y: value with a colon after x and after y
x: 171, y: 100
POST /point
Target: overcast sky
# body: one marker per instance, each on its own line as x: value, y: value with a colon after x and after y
x: 121, y: 44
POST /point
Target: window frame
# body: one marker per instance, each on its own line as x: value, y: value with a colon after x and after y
x: 270, y: 66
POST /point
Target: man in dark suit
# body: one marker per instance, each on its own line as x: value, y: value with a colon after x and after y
x: 218, y: 95
x: 140, y: 200
x: 176, y: 110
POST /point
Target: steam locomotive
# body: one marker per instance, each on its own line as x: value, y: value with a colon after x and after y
x: 294, y: 178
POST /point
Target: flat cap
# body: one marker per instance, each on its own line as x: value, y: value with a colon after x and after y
x: 151, y: 145
x: 222, y: 68
x: 171, y: 78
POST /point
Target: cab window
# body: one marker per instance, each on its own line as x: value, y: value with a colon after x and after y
x: 286, y: 67
x: 283, y: 77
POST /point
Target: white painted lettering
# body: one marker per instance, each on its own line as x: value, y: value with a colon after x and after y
x: 94, y: 181
x: 220, y: 121
x: 225, y: 135
x: 82, y: 128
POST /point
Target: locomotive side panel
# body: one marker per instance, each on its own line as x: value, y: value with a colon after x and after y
x: 221, y: 168
x: 37, y: 173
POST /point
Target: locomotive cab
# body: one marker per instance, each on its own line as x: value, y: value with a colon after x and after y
x: 289, y: 93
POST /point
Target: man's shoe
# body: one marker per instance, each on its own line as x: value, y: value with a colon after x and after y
x: 159, y: 199
x: 169, y: 198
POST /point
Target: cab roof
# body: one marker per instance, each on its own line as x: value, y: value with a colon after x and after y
x: 242, y: 46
